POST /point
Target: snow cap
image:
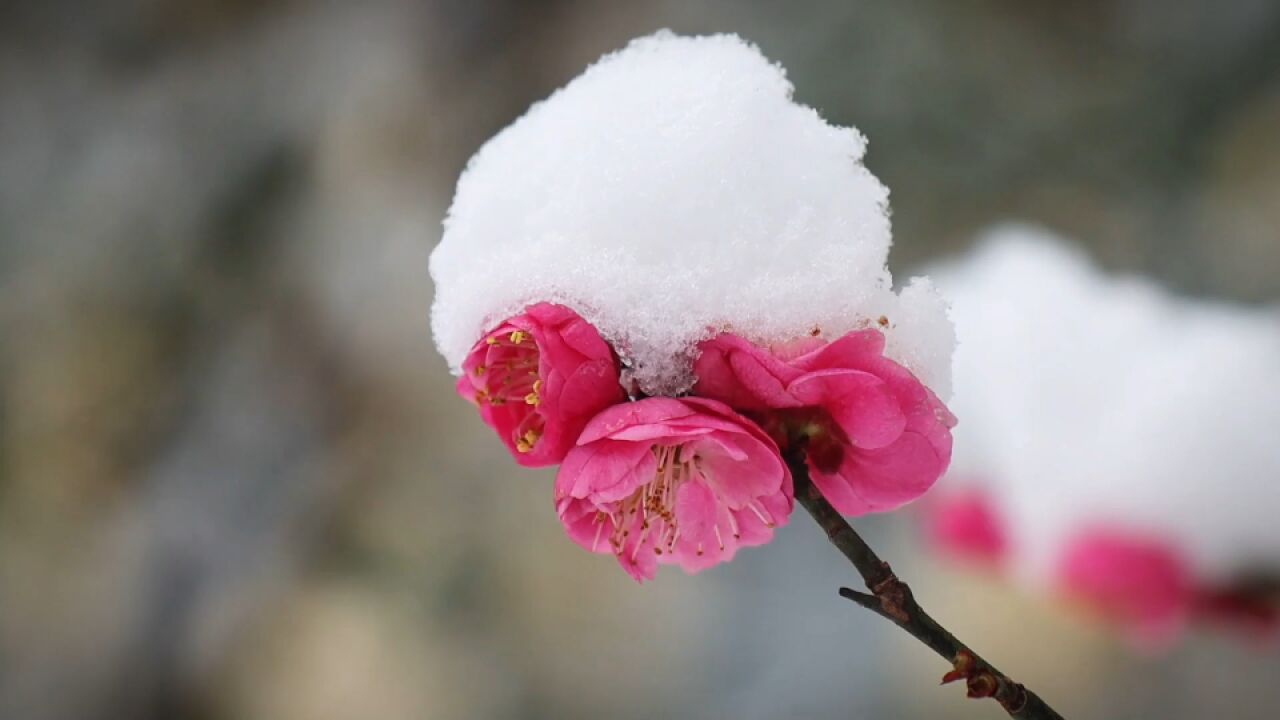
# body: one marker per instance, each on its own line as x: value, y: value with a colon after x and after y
x: 672, y: 191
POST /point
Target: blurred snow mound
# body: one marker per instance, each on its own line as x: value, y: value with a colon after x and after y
x: 1087, y: 399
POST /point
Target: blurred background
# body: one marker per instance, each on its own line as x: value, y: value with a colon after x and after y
x: 235, y: 481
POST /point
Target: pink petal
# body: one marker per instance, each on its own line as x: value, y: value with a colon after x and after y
x: 625, y: 415
x: 638, y: 559
x: 550, y: 315
x: 736, y: 371
x: 859, y: 402
x: 585, y: 340
x: 579, y: 519
x: 696, y: 509
x: 605, y: 471
x: 741, y: 468
x: 705, y: 549
x: 881, y: 479
x: 759, y: 378
x: 851, y: 350
x: 592, y: 386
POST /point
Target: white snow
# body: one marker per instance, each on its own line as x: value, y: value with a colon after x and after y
x: 673, y: 190
x: 1086, y: 398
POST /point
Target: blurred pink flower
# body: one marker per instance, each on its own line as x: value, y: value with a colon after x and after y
x: 874, y: 436
x: 966, y: 526
x: 538, y: 378
x: 673, y: 481
x: 1128, y: 578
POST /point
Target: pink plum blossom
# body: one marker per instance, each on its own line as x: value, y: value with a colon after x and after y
x: 538, y: 378
x: 672, y: 481
x: 874, y: 437
x: 1129, y: 578
x: 967, y: 527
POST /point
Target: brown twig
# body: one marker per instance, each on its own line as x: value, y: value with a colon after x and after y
x: 892, y: 599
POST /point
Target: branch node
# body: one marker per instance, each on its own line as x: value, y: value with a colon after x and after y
x: 893, y: 594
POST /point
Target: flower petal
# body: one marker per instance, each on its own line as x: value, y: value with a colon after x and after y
x: 605, y: 471
x: 859, y: 402
x: 881, y: 479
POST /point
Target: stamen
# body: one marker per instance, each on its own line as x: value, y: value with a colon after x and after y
x: 518, y: 336
x: 644, y: 533
x: 733, y: 525
x: 768, y: 521
x: 599, y: 531
x: 528, y: 440
x: 719, y: 539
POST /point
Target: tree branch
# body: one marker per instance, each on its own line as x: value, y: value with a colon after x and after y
x: 892, y: 599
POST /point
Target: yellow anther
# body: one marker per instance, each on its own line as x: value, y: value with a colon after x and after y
x: 518, y: 336
x: 532, y: 399
x: 479, y: 370
x: 492, y: 340
x: 537, y: 386
x: 527, y: 441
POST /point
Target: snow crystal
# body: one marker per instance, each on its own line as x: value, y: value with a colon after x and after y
x: 673, y: 190
x: 1087, y: 399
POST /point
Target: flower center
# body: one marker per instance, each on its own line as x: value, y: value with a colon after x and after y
x: 648, y: 515
x: 809, y: 428
x: 510, y: 378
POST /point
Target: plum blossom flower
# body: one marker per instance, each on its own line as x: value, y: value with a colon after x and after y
x: 1135, y: 580
x: 966, y: 526
x: 672, y: 481
x: 1144, y: 584
x: 874, y: 436
x: 538, y: 378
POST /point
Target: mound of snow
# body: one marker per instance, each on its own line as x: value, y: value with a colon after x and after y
x: 674, y: 190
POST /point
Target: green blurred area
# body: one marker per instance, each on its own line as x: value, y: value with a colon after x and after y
x: 235, y: 481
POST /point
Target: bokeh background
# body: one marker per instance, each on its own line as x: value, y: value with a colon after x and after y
x: 235, y: 481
